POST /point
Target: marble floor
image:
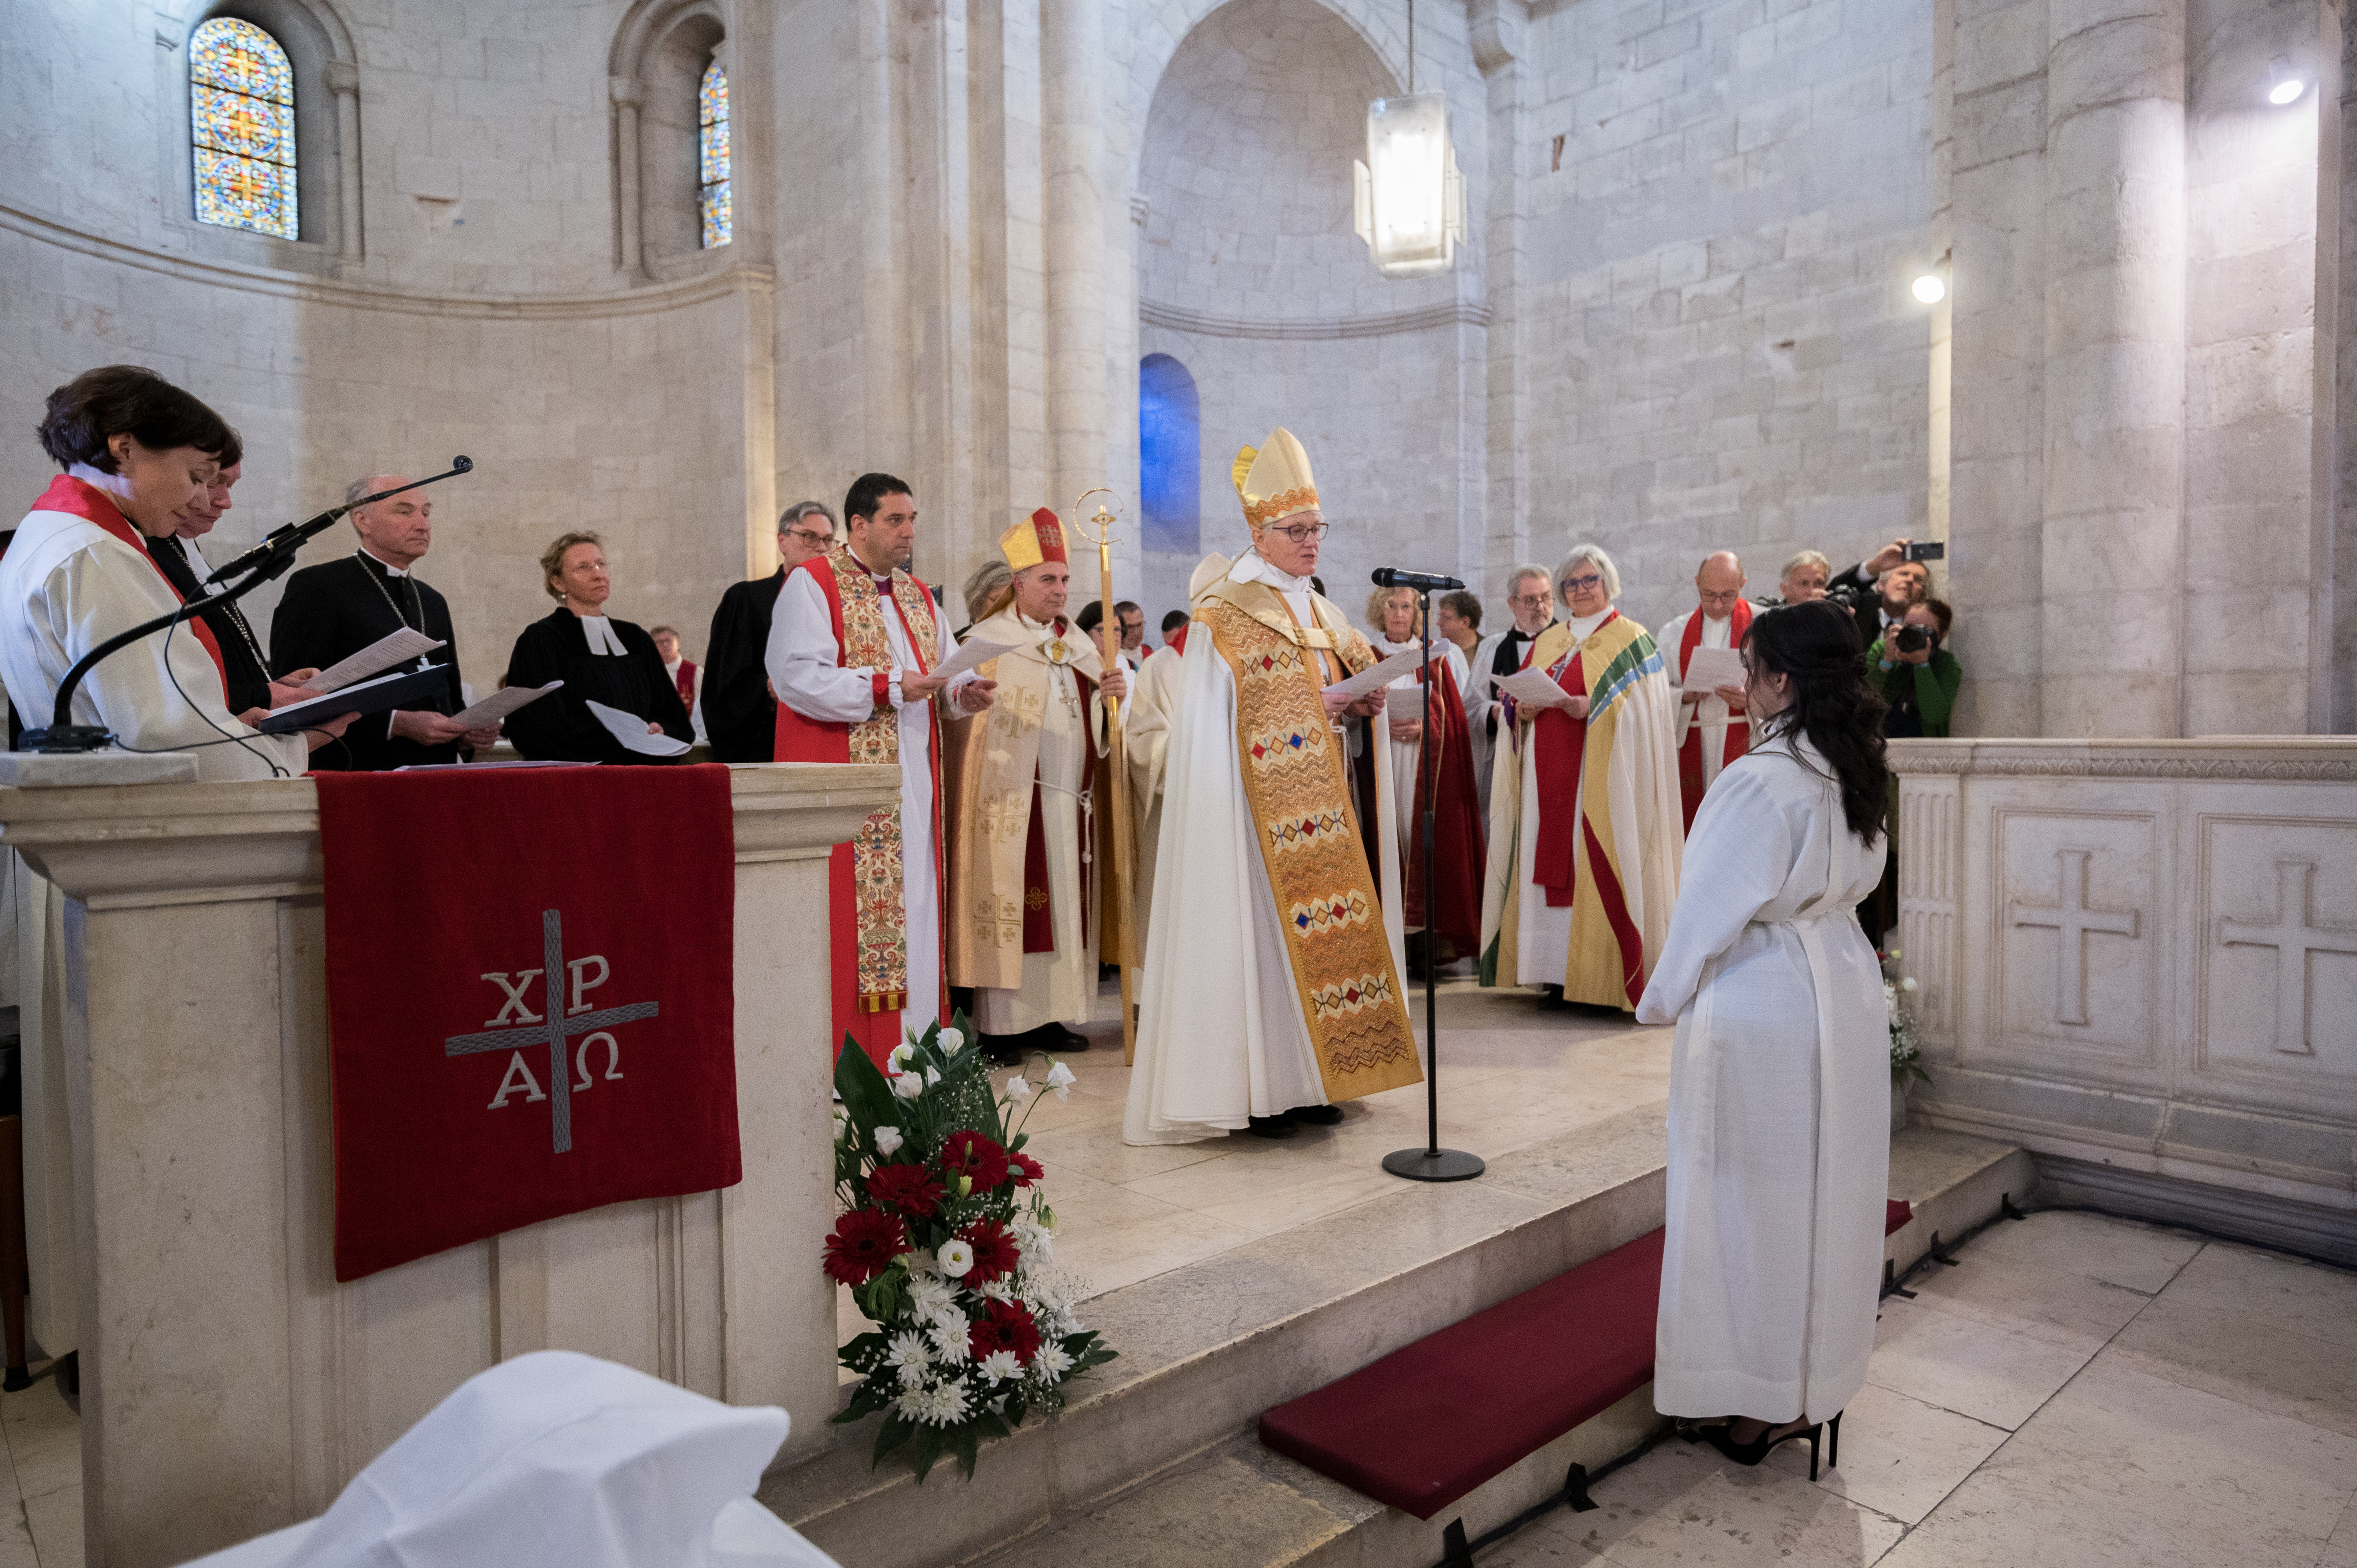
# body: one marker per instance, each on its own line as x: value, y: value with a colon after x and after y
x: 40, y: 1497
x: 2079, y: 1390
x: 1510, y: 1074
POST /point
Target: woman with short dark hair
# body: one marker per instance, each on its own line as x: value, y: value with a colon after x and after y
x: 1779, y: 1105
x: 136, y: 450
x: 600, y: 660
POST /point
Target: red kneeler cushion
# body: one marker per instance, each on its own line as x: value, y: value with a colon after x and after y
x: 1432, y: 1420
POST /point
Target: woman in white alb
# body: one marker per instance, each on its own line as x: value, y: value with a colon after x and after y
x: 1391, y: 612
x: 1779, y: 1146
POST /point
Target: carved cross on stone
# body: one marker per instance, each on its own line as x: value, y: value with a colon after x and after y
x: 2072, y: 921
x: 2293, y: 934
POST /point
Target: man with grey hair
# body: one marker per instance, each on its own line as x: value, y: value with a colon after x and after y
x: 1585, y: 833
x: 1530, y: 599
x: 333, y: 610
x: 741, y: 712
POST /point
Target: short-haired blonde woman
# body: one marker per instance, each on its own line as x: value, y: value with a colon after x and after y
x: 598, y: 659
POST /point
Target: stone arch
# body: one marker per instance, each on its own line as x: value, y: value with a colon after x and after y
x: 654, y: 66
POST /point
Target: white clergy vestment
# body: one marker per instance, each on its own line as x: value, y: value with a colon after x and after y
x: 804, y: 671
x: 1711, y: 713
x: 1405, y: 758
x: 1147, y: 721
x: 1221, y: 1038
x: 1779, y: 1100
x: 1058, y: 987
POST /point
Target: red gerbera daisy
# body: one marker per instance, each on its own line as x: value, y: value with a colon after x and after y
x: 1004, y: 1325
x: 971, y: 1154
x: 864, y: 1244
x: 994, y: 1251
x: 913, y: 1190
x: 1026, y: 1169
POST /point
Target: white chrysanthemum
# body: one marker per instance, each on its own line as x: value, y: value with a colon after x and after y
x: 927, y: 1294
x: 999, y: 1289
x: 951, y: 1346
x: 1051, y: 1363
x: 943, y: 1404
x: 920, y: 1262
x: 950, y: 1039
x: 1016, y: 1088
x: 957, y: 1256
x: 948, y: 1318
x: 908, y: 1349
x: 1001, y: 1365
x: 888, y: 1139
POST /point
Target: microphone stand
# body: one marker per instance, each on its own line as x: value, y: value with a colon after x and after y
x: 1431, y: 1162
x: 264, y: 561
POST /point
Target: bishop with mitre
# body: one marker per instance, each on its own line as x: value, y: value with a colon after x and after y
x: 1585, y: 828
x: 1272, y: 988
x: 854, y: 642
x: 1025, y: 903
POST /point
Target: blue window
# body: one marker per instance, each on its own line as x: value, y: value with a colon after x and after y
x: 1170, y: 455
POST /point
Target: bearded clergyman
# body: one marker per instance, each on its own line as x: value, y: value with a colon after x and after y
x: 1273, y: 958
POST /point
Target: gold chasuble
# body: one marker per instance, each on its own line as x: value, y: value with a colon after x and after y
x: 1296, y: 781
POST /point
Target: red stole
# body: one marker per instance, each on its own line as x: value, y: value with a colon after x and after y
x: 685, y: 680
x: 1559, y: 741
x: 79, y: 498
x: 1738, y: 734
x: 1454, y: 915
x: 800, y: 739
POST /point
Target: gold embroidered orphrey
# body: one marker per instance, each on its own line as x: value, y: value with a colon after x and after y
x: 1296, y: 784
x: 877, y: 867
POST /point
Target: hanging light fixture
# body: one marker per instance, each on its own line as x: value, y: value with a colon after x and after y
x: 1409, y: 199
x: 2284, y: 84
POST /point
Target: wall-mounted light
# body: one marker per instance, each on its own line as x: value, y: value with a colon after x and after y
x: 1931, y: 288
x: 1409, y: 198
x: 2284, y: 84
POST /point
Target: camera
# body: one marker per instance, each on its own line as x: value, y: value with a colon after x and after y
x: 1915, y: 639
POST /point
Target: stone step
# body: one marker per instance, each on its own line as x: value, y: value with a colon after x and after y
x: 1207, y: 1348
x: 1955, y: 1181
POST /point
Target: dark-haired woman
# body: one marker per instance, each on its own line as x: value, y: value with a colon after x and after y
x: 1780, y: 1145
x: 136, y: 450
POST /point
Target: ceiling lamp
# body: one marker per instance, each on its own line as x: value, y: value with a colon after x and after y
x: 1931, y: 288
x: 2285, y: 83
x: 1408, y: 198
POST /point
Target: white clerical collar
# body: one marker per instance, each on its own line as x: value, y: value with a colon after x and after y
x: 1581, y: 626
x: 601, y: 633
x: 382, y: 564
x: 115, y: 485
x: 672, y: 668
x: 1388, y: 646
x: 1251, y: 566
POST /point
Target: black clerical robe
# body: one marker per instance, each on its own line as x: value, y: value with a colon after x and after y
x: 333, y: 610
x: 740, y: 717
x: 245, y: 667
x: 560, y: 725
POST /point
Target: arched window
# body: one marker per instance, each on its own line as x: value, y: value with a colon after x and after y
x: 242, y: 107
x: 712, y: 152
x: 1170, y: 455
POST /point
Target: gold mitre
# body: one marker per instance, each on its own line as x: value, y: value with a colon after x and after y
x: 1036, y: 538
x: 1274, y: 482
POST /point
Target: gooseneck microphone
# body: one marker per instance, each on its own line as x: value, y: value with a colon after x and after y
x: 278, y: 546
x: 1400, y: 577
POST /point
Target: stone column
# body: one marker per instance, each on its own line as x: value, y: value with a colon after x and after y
x: 344, y: 82
x: 1072, y: 67
x: 2114, y: 444
x: 628, y: 97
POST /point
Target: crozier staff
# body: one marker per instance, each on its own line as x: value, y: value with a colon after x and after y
x: 136, y: 450
x: 1780, y: 1132
x: 599, y: 660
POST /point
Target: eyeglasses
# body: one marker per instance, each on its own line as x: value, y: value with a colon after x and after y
x: 1302, y: 532
x: 810, y: 536
x: 1582, y: 585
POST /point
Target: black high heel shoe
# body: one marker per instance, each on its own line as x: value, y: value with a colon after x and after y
x: 1759, y: 1448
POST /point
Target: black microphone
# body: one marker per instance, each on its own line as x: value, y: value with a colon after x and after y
x: 1400, y: 577
x: 278, y: 546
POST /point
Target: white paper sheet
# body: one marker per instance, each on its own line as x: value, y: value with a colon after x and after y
x: 392, y: 649
x: 632, y: 732
x: 1533, y: 689
x: 1383, y: 673
x: 969, y: 654
x: 1711, y: 667
x: 501, y: 703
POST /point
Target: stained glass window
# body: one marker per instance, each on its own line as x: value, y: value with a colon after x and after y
x: 241, y: 106
x: 712, y: 155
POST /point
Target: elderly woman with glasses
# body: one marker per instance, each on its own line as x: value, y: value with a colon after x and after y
x: 1585, y: 824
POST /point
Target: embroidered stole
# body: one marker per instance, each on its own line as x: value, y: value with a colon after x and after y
x: 1296, y: 783
x: 1738, y: 740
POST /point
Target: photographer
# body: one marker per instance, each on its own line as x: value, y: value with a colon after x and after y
x: 1917, y: 676
x: 1880, y: 589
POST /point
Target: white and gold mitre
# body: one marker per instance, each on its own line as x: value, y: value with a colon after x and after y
x: 1274, y: 481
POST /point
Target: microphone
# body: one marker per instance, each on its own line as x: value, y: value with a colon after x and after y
x: 1400, y: 577
x: 278, y: 546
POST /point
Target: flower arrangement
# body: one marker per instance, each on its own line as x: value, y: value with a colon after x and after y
x: 945, y: 1240
x: 1906, y: 1045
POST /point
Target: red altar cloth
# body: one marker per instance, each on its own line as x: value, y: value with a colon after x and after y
x: 465, y: 1104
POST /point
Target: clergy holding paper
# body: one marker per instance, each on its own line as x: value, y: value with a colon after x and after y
x: 1708, y: 670
x: 1272, y: 960
x: 855, y: 647
x: 1026, y: 888
x: 1584, y: 820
